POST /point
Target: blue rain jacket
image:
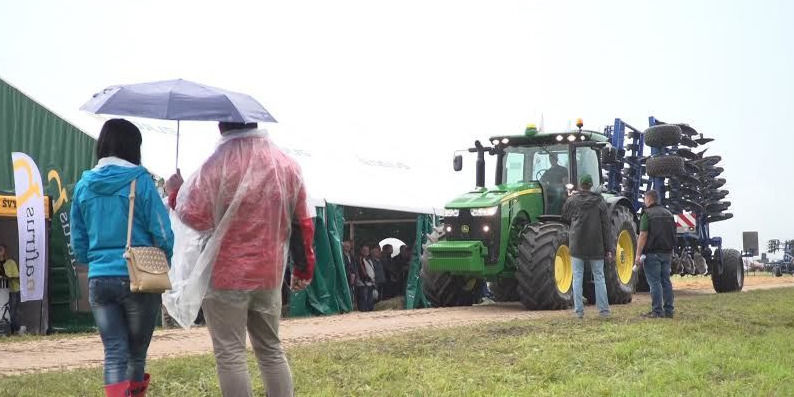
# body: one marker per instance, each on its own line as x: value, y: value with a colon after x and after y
x: 100, y: 206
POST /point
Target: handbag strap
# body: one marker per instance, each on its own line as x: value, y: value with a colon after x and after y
x: 132, y: 211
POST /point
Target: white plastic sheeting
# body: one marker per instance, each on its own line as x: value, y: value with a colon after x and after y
x: 248, y: 190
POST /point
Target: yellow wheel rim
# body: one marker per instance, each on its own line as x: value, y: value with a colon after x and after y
x: 563, y: 269
x: 624, y: 256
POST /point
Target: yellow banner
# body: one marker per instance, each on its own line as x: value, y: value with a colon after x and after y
x: 8, y: 206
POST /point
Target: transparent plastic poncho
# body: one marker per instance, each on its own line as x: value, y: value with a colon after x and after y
x: 232, y: 222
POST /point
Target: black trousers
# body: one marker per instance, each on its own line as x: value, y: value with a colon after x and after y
x: 14, y: 299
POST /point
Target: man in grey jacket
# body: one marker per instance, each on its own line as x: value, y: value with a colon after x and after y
x: 589, y: 241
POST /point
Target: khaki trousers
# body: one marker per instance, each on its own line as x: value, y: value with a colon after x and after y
x: 229, y: 313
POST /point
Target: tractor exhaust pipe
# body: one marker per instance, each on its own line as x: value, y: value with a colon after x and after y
x: 480, y: 166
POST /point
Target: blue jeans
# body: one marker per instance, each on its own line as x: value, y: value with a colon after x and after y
x: 126, y: 321
x: 365, y: 301
x: 657, y: 272
x: 597, y: 267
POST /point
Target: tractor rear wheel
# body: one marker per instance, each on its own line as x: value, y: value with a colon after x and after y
x: 544, y: 269
x: 444, y: 289
x: 665, y: 166
x: 731, y: 278
x: 660, y: 136
x: 619, y: 273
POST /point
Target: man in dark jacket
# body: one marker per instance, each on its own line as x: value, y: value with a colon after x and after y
x: 590, y: 241
x: 350, y: 267
x: 657, y: 240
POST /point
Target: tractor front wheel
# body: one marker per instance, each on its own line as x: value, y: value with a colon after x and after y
x: 544, y: 269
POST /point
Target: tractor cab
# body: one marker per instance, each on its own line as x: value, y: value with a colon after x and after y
x: 555, y: 161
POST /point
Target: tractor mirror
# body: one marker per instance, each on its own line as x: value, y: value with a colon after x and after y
x: 457, y: 162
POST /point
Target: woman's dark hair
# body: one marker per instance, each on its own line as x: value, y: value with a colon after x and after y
x: 119, y: 138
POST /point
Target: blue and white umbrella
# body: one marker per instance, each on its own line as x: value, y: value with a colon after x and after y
x: 177, y: 100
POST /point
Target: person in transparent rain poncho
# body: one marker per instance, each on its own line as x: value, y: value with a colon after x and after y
x: 247, y: 205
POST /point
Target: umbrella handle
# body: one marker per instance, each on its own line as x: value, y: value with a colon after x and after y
x: 177, y: 144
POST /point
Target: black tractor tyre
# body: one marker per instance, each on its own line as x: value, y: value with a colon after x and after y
x: 535, y: 267
x: 778, y: 271
x: 731, y: 278
x: 660, y: 136
x: 665, y: 166
x: 443, y: 289
x: 505, y: 290
x: 620, y: 292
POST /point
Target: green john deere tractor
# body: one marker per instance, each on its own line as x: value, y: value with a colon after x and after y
x: 511, y: 235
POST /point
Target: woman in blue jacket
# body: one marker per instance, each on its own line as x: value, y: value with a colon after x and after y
x: 100, y: 208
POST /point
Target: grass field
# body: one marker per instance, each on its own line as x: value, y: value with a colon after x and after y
x: 726, y: 345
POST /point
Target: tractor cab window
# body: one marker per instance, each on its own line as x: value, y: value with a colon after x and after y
x: 548, y: 165
x: 551, y: 168
x: 514, y: 167
x: 587, y: 164
x: 535, y: 163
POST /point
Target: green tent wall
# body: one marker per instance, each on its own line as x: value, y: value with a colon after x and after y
x: 62, y: 152
x: 26, y: 126
x: 414, y: 297
x: 328, y: 293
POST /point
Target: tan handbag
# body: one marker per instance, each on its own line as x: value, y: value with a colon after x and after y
x: 148, y: 266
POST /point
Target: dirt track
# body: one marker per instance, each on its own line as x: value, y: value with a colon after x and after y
x: 86, y: 351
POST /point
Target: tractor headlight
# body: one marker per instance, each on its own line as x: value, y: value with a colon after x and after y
x: 489, y: 211
x: 451, y: 212
x: 559, y: 138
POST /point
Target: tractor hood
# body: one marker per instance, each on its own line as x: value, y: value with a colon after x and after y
x: 490, y: 197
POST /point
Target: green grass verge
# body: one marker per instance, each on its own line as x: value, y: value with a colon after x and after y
x: 726, y: 345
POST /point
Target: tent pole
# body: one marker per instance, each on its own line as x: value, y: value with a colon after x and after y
x: 177, y: 144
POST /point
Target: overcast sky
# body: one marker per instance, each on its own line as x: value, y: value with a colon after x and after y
x: 418, y: 79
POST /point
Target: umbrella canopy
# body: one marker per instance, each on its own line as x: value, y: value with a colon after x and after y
x: 177, y: 100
